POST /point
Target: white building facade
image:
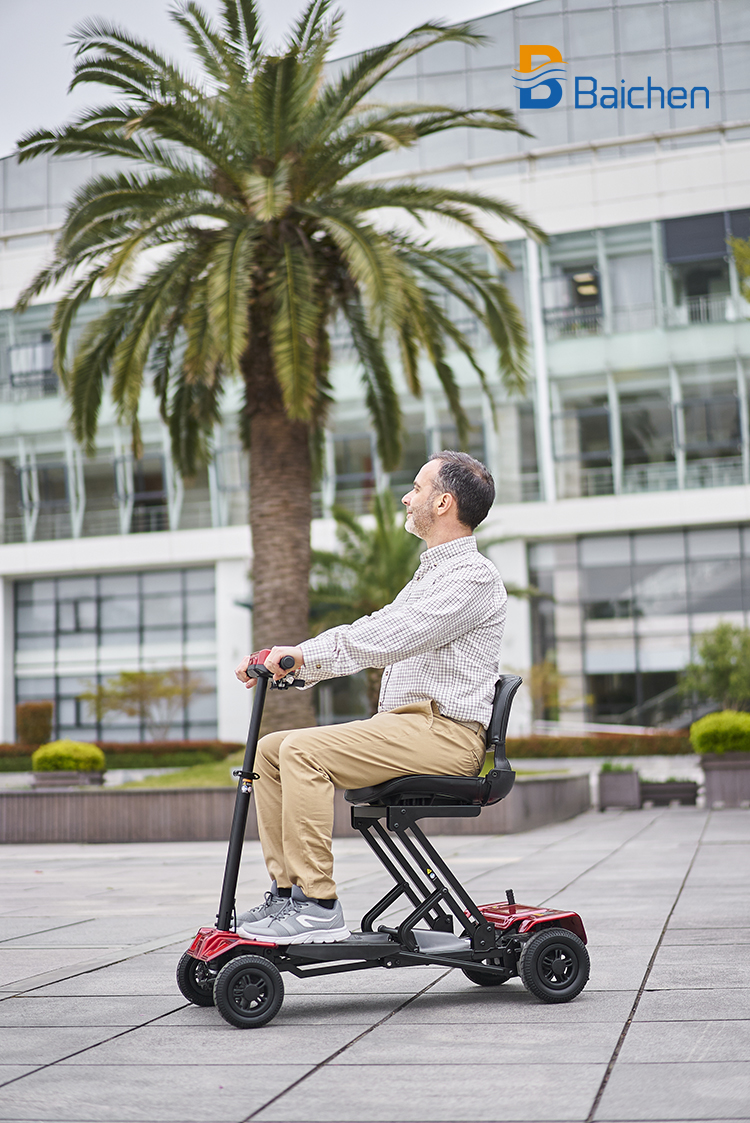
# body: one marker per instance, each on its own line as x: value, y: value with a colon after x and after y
x: 623, y: 476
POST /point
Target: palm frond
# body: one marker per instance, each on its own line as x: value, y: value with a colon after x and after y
x: 294, y: 330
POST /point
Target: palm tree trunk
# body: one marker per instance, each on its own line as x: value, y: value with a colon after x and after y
x: 280, y: 516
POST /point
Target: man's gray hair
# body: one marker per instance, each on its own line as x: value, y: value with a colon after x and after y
x: 469, y: 482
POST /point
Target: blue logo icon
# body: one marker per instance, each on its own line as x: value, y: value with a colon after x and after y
x: 529, y: 78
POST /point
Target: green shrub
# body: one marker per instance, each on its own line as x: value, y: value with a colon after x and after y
x: 34, y: 722
x: 725, y: 732
x: 608, y: 766
x: 68, y: 756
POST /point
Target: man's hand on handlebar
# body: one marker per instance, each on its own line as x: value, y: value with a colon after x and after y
x: 272, y: 663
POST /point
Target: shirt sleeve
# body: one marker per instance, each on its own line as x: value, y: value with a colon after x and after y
x: 456, y: 604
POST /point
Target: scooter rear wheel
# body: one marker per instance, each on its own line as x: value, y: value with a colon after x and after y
x: 248, y: 991
x: 554, y: 965
x: 485, y: 978
x: 195, y: 981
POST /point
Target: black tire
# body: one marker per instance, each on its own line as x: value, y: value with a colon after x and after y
x: 554, y: 965
x: 485, y: 978
x: 248, y: 991
x: 195, y: 981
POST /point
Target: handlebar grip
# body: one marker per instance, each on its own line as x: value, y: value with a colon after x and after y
x: 286, y: 662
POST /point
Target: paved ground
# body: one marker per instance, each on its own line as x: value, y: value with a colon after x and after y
x: 92, y: 1026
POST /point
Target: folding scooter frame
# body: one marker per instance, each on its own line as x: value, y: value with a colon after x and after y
x: 496, y: 942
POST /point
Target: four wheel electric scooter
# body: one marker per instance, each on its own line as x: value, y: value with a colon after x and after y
x: 546, y: 948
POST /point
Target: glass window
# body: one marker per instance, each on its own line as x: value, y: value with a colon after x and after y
x: 120, y: 639
x: 612, y: 549
x: 162, y: 636
x: 119, y: 584
x: 659, y: 547
x: 715, y: 586
x: 659, y: 590
x: 719, y: 543
x: 612, y: 695
x: 201, y: 608
x: 31, y: 591
x: 119, y: 613
x: 70, y: 588
x: 35, y: 618
x: 607, y: 593
x: 163, y: 581
x: 162, y: 610
x: 647, y: 434
x: 200, y: 579
x: 711, y: 425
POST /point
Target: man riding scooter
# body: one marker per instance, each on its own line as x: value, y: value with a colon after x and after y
x: 439, y: 644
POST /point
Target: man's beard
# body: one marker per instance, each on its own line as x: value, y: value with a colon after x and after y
x: 419, y: 523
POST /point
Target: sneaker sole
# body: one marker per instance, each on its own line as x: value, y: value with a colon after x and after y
x: 331, y: 936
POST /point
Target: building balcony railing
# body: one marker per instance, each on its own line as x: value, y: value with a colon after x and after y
x: 727, y: 471
x: 569, y: 323
x: 716, y: 309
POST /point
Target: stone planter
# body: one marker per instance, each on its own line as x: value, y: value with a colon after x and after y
x: 664, y: 792
x: 68, y: 779
x: 619, y: 789
x: 727, y: 779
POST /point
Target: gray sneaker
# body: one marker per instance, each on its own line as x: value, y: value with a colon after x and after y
x: 272, y: 904
x: 301, y: 921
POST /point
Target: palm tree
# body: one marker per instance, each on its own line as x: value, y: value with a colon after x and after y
x: 239, y: 234
x: 368, y: 571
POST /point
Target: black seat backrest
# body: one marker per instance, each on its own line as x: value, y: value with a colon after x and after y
x: 505, y: 691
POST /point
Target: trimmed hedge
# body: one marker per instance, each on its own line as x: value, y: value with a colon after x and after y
x: 68, y: 756
x: 611, y: 744
x: 139, y: 754
x: 725, y: 732
x: 34, y: 723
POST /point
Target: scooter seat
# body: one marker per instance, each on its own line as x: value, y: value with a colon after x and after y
x: 431, y: 791
x: 454, y: 791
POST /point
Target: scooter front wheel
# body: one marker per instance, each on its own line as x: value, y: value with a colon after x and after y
x: 195, y: 981
x: 554, y: 965
x: 248, y: 991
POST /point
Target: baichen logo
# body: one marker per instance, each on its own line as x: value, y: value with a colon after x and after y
x: 547, y: 74
x: 590, y: 92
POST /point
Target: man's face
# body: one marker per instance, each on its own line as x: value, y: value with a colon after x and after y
x: 421, y: 501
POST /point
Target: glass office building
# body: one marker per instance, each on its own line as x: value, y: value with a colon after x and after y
x: 623, y: 475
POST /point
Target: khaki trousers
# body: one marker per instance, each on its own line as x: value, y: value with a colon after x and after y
x: 298, y: 770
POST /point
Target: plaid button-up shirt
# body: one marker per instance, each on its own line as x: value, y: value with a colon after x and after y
x: 438, y: 641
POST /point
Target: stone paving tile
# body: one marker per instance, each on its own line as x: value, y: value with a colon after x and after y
x: 511, y: 1002
x: 85, y: 1011
x: 414, y: 1093
x: 23, y: 963
x: 677, y: 968
x: 649, y: 1042
x: 47, y: 1044
x: 187, y: 1093
x: 694, y: 1005
x: 676, y: 1091
x: 10, y: 1072
x: 445, y: 1043
x: 272, y: 1045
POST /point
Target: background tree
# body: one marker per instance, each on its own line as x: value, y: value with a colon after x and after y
x: 721, y: 673
x: 740, y: 248
x: 368, y: 571
x: 155, y: 698
x: 240, y: 232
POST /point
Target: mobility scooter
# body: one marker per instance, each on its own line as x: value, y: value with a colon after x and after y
x: 546, y: 948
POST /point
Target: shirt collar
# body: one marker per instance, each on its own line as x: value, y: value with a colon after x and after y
x: 453, y: 549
